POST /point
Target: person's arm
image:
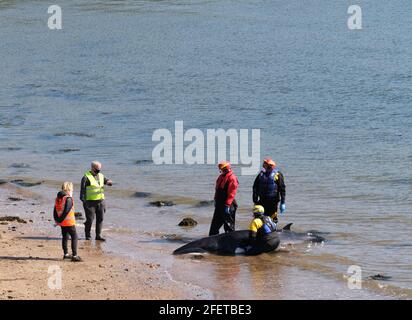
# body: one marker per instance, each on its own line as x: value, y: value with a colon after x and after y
x: 256, y: 190
x: 108, y: 182
x: 83, y: 189
x: 231, y: 190
x: 282, y: 188
x: 253, y: 228
x: 55, y: 215
x: 67, y: 208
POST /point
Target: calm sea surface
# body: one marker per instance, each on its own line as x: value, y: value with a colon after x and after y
x: 333, y: 106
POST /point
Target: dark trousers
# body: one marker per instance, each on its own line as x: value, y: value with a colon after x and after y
x: 69, y: 232
x: 271, y: 208
x: 94, y: 209
x: 220, y: 218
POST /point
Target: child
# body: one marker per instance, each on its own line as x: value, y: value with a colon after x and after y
x: 64, y: 217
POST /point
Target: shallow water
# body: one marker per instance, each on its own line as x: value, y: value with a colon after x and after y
x: 333, y: 107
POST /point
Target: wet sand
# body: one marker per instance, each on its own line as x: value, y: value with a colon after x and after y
x: 28, y: 252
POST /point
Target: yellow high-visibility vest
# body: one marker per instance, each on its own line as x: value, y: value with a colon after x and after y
x: 95, y: 191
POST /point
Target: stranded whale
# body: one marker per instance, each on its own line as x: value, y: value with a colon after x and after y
x: 237, y: 241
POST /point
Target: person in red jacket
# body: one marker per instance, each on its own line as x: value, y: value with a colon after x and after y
x: 225, y: 203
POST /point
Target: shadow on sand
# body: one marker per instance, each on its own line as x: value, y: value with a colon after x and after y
x: 28, y: 258
x: 41, y: 238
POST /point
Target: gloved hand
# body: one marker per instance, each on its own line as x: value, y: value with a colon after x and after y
x: 282, y: 208
x: 227, y: 210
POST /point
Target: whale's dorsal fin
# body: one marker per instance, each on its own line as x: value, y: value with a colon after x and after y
x: 287, y: 227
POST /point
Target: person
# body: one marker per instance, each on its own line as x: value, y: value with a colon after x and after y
x: 269, y: 189
x: 64, y: 217
x: 262, y: 233
x: 225, y: 203
x: 92, y: 196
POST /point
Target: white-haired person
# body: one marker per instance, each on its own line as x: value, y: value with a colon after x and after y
x: 64, y: 217
x: 92, y: 196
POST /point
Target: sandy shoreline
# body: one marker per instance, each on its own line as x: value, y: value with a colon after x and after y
x: 29, y: 251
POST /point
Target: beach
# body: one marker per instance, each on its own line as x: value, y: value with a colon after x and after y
x: 30, y: 254
x: 332, y: 106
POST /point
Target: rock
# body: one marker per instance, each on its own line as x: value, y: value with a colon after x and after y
x: 162, y: 203
x: 380, y: 277
x: 12, y: 219
x: 143, y: 161
x: 205, y: 203
x: 66, y: 150
x: 20, y: 166
x: 187, y: 222
x: 3, y: 181
x: 141, y: 194
x: 23, y: 183
x: 15, y: 199
x: 78, y: 215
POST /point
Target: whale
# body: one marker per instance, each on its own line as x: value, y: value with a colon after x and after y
x: 237, y: 242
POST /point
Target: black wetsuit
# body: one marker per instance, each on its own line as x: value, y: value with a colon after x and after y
x: 95, y: 208
x: 67, y: 231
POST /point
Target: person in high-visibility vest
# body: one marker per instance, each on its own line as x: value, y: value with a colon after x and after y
x: 64, y: 217
x: 92, y: 196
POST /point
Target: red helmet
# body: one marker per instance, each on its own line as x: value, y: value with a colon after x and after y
x: 224, y: 165
x: 269, y: 162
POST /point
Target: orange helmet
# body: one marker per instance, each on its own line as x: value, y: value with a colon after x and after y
x: 269, y: 162
x: 224, y: 165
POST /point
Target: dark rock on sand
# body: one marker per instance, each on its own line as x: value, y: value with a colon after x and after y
x: 141, y: 194
x: 380, y: 277
x: 12, y: 219
x: 23, y: 183
x: 162, y: 203
x: 78, y: 215
x: 2, y: 181
x: 187, y: 222
x: 15, y: 199
x: 75, y: 134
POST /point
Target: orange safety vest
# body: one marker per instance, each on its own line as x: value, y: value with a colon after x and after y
x: 70, y: 220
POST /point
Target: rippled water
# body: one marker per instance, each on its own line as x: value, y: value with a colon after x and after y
x: 333, y: 107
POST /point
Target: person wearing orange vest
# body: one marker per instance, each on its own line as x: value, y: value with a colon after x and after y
x: 64, y: 217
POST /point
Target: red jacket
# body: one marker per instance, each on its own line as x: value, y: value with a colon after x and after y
x: 226, y: 188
